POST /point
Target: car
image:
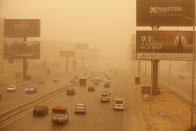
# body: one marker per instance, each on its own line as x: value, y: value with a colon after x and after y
x: 70, y: 91
x: 105, y: 96
x: 91, y: 88
x: 80, y: 108
x: 11, y: 88
x: 59, y: 115
x: 41, y: 82
x: 30, y: 90
x: 118, y: 104
x: 107, y: 83
x: 40, y: 110
x: 55, y: 80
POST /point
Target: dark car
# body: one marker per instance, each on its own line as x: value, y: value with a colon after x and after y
x: 107, y: 84
x: 70, y: 91
x: 40, y: 110
x: 30, y: 90
x: 55, y: 80
x: 91, y: 88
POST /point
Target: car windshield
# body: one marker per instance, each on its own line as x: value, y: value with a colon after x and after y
x: 118, y: 102
x: 58, y: 111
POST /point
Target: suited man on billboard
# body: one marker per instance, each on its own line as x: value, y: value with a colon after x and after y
x: 180, y: 41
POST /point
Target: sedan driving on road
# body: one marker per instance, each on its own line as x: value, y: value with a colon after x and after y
x: 118, y: 104
x: 91, y: 88
x: 40, y: 110
x: 30, y: 90
x: 70, y: 91
x: 11, y: 88
x: 80, y: 108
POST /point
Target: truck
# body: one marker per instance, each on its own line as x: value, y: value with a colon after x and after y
x: 59, y: 115
x: 82, y: 82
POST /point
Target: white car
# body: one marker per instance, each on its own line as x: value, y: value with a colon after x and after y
x: 118, y: 104
x: 30, y: 90
x: 11, y: 88
x: 105, y: 96
x: 80, y: 108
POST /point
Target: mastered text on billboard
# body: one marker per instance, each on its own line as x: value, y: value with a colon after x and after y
x: 165, y: 12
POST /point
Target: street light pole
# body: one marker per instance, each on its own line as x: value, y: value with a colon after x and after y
x: 193, y: 72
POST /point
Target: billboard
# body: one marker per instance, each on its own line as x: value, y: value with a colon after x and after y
x: 165, y: 12
x: 19, y: 49
x: 22, y: 27
x: 81, y: 46
x: 168, y: 45
x: 67, y: 53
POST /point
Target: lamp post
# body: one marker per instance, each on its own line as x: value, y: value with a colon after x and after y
x: 193, y: 70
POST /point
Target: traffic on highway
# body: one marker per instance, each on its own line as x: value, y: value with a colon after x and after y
x: 97, y: 65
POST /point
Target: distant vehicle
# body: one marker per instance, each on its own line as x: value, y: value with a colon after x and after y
x: 74, y: 81
x: 82, y: 82
x: 118, y: 104
x: 105, y: 96
x: 55, y: 80
x: 91, y: 88
x: 80, y: 108
x: 11, y: 88
x: 70, y: 91
x: 30, y: 90
x: 41, y: 82
x: 40, y: 110
x: 107, y: 84
x: 59, y: 115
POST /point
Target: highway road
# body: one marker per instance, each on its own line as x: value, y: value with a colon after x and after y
x: 99, y: 116
x: 12, y: 99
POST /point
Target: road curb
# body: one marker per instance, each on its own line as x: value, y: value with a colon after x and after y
x: 145, y: 112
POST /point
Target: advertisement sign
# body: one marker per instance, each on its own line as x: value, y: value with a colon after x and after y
x: 67, y: 53
x: 172, y: 45
x: 81, y: 46
x: 22, y: 27
x: 165, y: 12
x: 18, y: 49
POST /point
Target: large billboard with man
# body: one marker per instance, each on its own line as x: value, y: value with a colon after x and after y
x: 165, y: 12
x: 172, y: 45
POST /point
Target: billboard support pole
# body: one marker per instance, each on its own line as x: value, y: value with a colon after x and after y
x: 154, y: 70
x: 67, y: 63
x: 25, y: 65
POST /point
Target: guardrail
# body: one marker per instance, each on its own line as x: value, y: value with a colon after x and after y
x: 145, y: 113
x: 7, y: 115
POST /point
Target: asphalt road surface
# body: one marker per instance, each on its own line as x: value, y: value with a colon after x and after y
x: 99, y: 116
